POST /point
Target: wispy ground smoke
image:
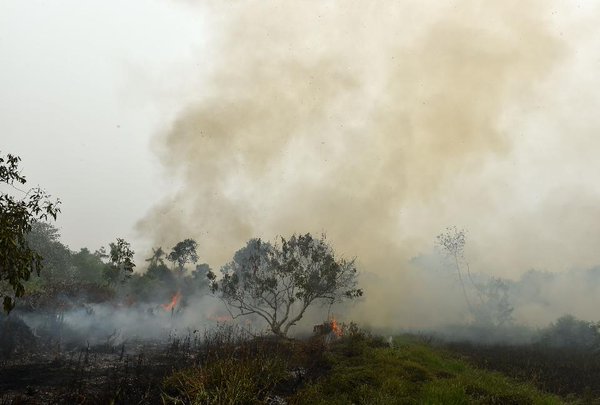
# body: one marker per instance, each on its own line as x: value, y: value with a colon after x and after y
x: 377, y: 124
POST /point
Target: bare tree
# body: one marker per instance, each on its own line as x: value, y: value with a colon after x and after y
x: 157, y: 257
x: 279, y: 282
x: 452, y: 243
x: 493, y: 306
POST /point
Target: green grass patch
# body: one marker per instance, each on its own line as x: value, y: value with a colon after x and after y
x: 357, y: 369
x: 363, y: 372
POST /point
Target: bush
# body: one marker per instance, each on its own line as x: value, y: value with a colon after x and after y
x: 570, y: 332
x: 15, y: 336
x: 226, y: 381
x: 355, y: 341
x: 233, y: 367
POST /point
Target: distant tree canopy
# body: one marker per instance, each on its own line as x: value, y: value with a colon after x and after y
x: 160, y: 283
x: 183, y: 253
x: 68, y: 278
x: 279, y: 282
x: 120, y: 261
x: 44, y: 239
x: 157, y: 258
x: 17, y: 217
x: 28, y: 243
x: 569, y: 331
x: 88, y: 265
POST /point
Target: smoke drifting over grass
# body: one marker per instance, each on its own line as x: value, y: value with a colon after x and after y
x: 380, y: 125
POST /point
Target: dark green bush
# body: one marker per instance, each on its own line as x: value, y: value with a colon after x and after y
x: 570, y: 332
x: 355, y: 341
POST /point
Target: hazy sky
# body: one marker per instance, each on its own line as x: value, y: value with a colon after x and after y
x: 365, y: 102
x: 84, y: 87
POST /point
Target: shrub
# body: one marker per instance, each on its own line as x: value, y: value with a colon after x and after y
x: 571, y: 332
x: 226, y: 381
x: 233, y: 367
x: 356, y: 340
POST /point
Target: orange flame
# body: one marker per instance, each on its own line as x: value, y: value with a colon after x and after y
x: 336, y: 328
x: 174, y: 300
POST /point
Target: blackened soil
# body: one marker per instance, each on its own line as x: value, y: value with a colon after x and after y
x: 562, y: 371
x: 89, y: 376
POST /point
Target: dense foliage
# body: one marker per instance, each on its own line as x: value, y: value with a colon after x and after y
x: 72, y: 280
x: 279, y: 282
x: 183, y: 253
x: 17, y: 216
x: 120, y: 266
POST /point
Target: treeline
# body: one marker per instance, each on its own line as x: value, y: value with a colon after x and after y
x: 69, y: 279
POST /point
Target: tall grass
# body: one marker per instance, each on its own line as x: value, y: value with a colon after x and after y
x: 232, y: 367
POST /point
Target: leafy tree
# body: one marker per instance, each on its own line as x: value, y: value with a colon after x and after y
x: 157, y: 268
x: 144, y: 288
x: 201, y: 272
x: 88, y: 266
x: 279, y: 282
x: 120, y: 261
x: 160, y: 272
x: 17, y: 216
x: 44, y: 238
x: 183, y: 253
x: 569, y: 331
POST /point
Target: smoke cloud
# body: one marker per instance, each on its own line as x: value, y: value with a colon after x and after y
x: 380, y: 125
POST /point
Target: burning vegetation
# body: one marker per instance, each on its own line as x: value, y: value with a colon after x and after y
x: 96, y: 332
x: 379, y: 125
x: 279, y: 282
x: 170, y: 307
x: 330, y: 328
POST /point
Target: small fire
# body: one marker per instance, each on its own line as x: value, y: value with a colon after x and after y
x: 174, y: 300
x: 336, y: 328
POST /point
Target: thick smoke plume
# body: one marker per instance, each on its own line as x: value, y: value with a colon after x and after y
x: 379, y: 124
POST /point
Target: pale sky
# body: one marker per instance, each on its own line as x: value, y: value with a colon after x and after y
x: 85, y: 86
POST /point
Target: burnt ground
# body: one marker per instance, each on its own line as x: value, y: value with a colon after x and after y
x: 567, y: 372
x: 130, y: 373
x: 134, y: 372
